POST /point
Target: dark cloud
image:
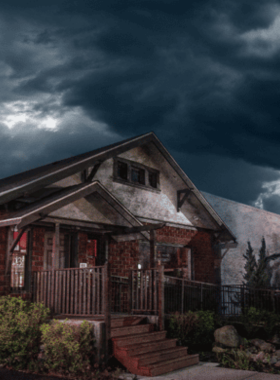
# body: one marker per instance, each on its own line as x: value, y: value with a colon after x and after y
x: 198, y: 73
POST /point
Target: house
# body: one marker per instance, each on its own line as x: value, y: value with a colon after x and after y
x: 248, y: 224
x: 129, y: 204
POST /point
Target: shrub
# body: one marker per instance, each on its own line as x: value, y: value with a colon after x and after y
x: 20, y: 331
x: 192, y: 327
x: 180, y: 326
x: 252, y: 319
x: 68, y: 348
x: 204, y: 331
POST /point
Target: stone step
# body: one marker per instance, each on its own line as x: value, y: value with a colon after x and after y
x: 158, y: 356
x: 139, y: 338
x: 165, y: 366
x: 126, y: 321
x: 131, y: 330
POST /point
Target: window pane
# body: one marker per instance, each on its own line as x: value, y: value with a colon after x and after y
x: 122, y: 170
x: 153, y: 179
x: 17, y: 271
x: 138, y: 175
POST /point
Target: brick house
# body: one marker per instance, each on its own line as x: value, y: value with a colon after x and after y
x: 128, y: 204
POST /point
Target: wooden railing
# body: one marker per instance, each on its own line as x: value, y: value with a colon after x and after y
x: 147, y: 293
x: 144, y: 290
x: 73, y: 291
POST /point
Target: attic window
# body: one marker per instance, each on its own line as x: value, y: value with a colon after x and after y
x: 122, y: 170
x: 136, y: 174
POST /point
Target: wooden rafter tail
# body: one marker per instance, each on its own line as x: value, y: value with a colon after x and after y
x: 180, y: 201
x: 93, y: 171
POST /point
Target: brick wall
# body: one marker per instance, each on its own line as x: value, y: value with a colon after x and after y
x: 123, y: 256
x: 38, y: 249
x: 200, y: 243
x: 3, y: 250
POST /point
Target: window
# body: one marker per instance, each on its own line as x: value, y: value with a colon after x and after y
x: 136, y: 174
x: 18, y: 261
x: 122, y: 170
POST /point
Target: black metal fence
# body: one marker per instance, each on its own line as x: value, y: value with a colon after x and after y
x: 181, y: 295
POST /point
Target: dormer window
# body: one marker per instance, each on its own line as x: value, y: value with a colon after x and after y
x: 135, y: 174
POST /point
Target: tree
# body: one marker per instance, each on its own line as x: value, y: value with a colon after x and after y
x: 250, y: 266
x: 257, y: 272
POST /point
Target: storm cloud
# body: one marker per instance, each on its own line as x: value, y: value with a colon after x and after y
x: 203, y: 75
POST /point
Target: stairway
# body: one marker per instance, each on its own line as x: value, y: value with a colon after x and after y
x: 144, y: 351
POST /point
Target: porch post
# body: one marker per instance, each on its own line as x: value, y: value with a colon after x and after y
x: 107, y: 316
x: 161, y: 297
x: 152, y: 248
x: 55, y: 252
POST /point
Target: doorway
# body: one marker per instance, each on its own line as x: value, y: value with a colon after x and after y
x: 67, y: 257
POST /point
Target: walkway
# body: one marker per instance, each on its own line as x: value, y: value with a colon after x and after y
x: 208, y: 371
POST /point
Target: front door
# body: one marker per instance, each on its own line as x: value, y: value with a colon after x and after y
x: 64, y: 250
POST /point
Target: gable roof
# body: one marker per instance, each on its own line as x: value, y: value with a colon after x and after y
x: 40, y: 209
x: 19, y: 184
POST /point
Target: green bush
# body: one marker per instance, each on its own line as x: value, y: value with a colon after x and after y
x: 20, y: 331
x: 253, y: 319
x: 180, y: 326
x: 204, y: 331
x: 192, y: 327
x: 68, y: 348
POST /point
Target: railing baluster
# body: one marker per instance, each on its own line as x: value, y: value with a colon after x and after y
x: 85, y: 288
x: 64, y: 292
x: 72, y: 296
x: 97, y: 291
x: 93, y: 291
x: 88, y: 289
x: 67, y: 292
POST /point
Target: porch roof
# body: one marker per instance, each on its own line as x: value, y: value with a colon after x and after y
x: 41, y: 209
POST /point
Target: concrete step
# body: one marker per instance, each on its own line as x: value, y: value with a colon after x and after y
x: 169, y: 365
x: 137, y: 349
x: 126, y: 321
x: 131, y: 330
x: 158, y: 356
x: 139, y: 338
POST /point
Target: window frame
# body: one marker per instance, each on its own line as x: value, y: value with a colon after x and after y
x: 136, y: 165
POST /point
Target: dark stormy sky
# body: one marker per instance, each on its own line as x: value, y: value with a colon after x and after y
x: 203, y: 75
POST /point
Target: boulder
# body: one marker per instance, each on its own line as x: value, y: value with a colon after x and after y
x: 267, y: 347
x: 260, y: 356
x: 257, y: 342
x: 277, y: 365
x: 218, y: 349
x: 228, y: 336
x: 275, y: 339
x: 277, y: 354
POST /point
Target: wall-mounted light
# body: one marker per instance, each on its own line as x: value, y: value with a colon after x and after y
x: 139, y: 266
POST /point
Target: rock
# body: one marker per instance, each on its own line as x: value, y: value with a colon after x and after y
x: 277, y: 365
x: 218, y: 349
x: 267, y: 347
x: 257, y: 342
x: 260, y: 356
x: 273, y: 360
x: 277, y: 354
x: 252, y: 357
x: 275, y: 339
x: 228, y: 336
